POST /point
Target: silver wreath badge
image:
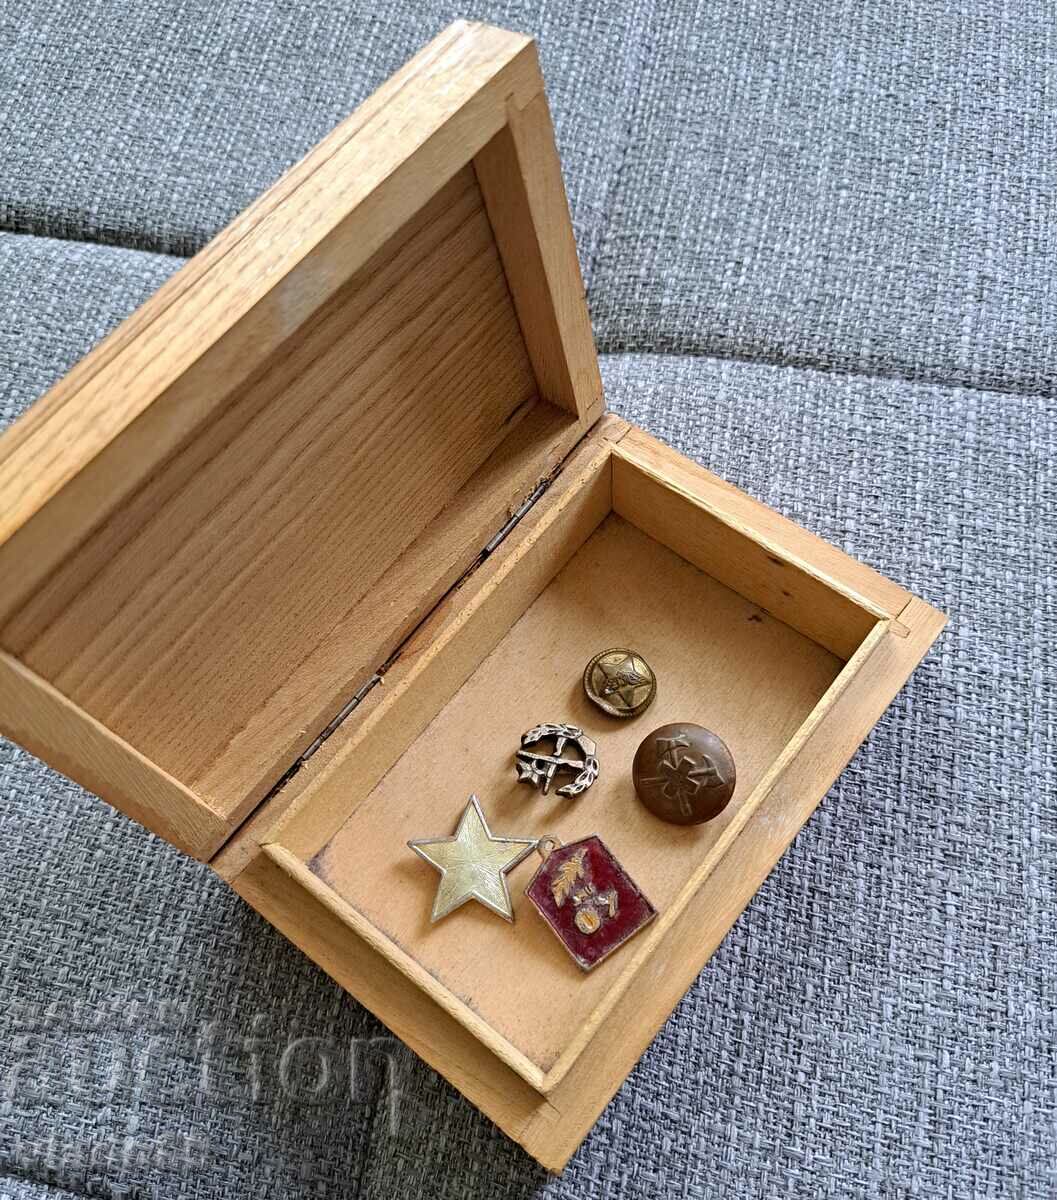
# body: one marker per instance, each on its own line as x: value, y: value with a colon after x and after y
x: 539, y: 769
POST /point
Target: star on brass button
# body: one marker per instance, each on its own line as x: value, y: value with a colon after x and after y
x: 621, y: 682
x: 473, y: 864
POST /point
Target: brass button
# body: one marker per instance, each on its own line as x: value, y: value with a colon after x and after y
x: 621, y: 682
x: 684, y: 774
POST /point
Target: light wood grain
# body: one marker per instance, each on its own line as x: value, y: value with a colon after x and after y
x: 521, y: 180
x: 218, y: 526
x: 41, y: 719
x: 796, y: 576
x: 551, y: 1128
x: 444, y: 652
x: 225, y: 613
x: 108, y: 426
x: 530, y: 453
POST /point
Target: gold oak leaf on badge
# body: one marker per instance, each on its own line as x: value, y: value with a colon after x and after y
x: 473, y: 864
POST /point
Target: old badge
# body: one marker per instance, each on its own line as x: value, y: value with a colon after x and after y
x: 621, y: 682
x: 473, y: 864
x: 684, y: 774
x: 539, y: 769
x: 588, y: 899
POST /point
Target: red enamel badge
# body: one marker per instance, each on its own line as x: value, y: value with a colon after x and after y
x: 589, y: 900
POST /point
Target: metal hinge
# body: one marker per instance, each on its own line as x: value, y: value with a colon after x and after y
x: 371, y: 683
x: 518, y: 513
x: 378, y: 678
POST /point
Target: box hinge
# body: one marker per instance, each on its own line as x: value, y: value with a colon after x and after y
x: 373, y: 682
x: 378, y: 677
x: 489, y: 548
x: 517, y: 515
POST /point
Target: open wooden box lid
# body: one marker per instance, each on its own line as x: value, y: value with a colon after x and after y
x: 220, y: 526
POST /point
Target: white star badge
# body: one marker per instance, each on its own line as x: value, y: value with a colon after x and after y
x: 473, y: 864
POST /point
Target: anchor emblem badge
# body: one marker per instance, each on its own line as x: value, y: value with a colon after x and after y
x: 538, y: 768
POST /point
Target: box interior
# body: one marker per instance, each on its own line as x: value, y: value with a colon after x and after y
x: 722, y: 660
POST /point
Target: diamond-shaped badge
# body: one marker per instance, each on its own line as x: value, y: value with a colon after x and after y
x: 589, y: 900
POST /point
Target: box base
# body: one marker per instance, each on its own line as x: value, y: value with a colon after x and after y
x: 876, y: 634
x: 720, y: 661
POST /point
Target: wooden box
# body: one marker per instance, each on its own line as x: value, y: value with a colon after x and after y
x: 289, y: 562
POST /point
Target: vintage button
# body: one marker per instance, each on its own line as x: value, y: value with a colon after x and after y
x: 684, y: 774
x: 621, y: 682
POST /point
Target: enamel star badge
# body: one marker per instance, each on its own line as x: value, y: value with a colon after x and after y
x: 473, y: 864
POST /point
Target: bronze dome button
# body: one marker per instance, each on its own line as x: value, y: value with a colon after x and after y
x: 621, y: 682
x: 684, y: 774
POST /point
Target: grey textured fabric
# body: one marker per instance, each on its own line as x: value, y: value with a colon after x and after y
x: 822, y: 185
x: 152, y: 125
x: 844, y: 187
x: 63, y: 298
x: 13, y: 1188
x: 853, y: 187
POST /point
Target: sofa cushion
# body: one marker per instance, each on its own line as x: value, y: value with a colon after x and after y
x: 851, y: 187
x: 153, y: 125
x: 60, y: 299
